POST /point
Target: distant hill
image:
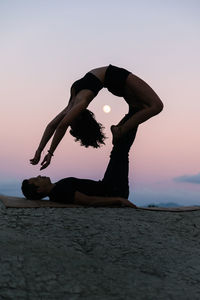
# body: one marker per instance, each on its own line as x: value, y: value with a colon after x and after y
x: 169, y: 204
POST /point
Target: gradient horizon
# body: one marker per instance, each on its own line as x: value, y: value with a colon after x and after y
x: 46, y: 45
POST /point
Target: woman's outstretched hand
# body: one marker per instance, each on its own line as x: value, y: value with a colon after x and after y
x: 35, y: 160
x: 46, y: 161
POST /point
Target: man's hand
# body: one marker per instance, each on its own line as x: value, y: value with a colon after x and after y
x: 36, y: 159
x: 46, y: 161
x: 125, y: 202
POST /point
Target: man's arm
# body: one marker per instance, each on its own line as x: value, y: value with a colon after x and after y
x: 82, y: 199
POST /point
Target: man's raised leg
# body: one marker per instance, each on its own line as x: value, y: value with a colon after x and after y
x: 116, y: 175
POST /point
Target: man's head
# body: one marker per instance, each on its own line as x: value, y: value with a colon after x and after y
x: 36, y: 188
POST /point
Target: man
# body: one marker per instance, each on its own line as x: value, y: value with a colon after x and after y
x: 113, y: 189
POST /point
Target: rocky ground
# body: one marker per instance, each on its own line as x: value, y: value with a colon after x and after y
x: 99, y: 253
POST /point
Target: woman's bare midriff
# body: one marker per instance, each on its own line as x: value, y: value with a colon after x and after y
x: 99, y: 73
x: 129, y: 95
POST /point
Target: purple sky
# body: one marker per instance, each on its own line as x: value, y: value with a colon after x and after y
x: 46, y: 45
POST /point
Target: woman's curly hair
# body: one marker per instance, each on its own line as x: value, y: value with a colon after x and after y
x: 87, y: 130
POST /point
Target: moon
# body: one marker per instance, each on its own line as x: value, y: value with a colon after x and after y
x: 106, y: 109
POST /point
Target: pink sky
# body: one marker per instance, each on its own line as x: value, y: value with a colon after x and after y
x: 46, y: 46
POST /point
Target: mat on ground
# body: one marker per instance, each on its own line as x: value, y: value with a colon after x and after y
x: 18, y: 202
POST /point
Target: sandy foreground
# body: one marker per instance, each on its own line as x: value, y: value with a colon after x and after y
x: 99, y: 253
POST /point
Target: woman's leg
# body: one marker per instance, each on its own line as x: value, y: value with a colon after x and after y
x: 138, y: 93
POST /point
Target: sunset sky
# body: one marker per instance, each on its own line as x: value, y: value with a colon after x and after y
x: 46, y: 45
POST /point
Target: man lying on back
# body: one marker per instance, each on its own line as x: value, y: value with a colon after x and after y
x: 113, y: 189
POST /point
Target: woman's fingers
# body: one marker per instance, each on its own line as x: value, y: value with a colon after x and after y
x: 36, y: 159
x: 46, y: 161
x: 44, y: 166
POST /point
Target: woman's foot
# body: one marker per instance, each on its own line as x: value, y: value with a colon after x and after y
x: 116, y: 132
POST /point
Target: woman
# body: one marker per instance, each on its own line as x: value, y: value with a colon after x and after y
x: 120, y: 82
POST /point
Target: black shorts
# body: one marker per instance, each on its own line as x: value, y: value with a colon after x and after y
x: 115, y: 79
x: 88, y: 82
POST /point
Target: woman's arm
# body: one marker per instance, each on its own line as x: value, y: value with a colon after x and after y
x: 65, y: 122
x: 49, y: 131
x: 62, y: 128
x: 83, y: 199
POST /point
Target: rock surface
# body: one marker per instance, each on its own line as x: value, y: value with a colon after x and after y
x: 99, y: 253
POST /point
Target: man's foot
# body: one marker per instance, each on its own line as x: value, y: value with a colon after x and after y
x: 116, y: 132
